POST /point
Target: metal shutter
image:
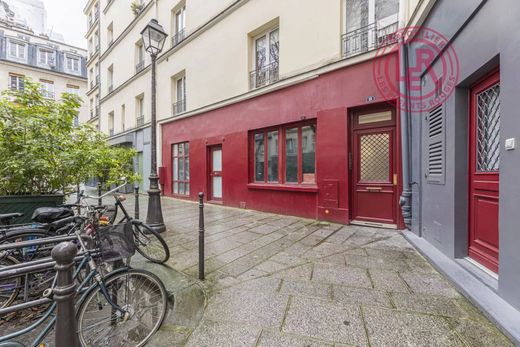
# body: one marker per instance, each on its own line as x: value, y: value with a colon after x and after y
x: 435, y: 171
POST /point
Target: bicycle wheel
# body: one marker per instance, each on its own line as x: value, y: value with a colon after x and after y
x: 9, y: 287
x: 143, y: 297
x: 30, y: 252
x: 150, y: 244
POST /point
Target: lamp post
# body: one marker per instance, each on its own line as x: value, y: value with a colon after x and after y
x: 154, y: 37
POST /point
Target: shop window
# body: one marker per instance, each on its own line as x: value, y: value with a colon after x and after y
x: 285, y: 155
x: 181, y: 168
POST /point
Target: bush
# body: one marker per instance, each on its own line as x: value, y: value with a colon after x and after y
x: 43, y: 153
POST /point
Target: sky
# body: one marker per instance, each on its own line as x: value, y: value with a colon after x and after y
x: 67, y: 18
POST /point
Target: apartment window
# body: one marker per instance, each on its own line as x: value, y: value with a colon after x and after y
x: 111, y: 123
x: 110, y: 79
x: 179, y: 25
x: 369, y: 25
x: 180, y: 95
x: 285, y: 155
x: 123, y: 116
x: 16, y: 82
x: 17, y: 50
x: 181, y: 168
x: 139, y: 56
x: 72, y: 63
x: 72, y: 89
x: 265, y: 58
x: 139, y: 110
x: 47, y: 88
x: 46, y: 57
x: 76, y: 121
x: 110, y: 33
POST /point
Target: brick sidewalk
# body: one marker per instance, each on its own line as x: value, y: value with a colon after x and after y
x: 283, y: 281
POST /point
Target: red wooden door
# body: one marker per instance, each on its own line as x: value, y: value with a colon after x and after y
x: 374, y: 179
x: 484, y: 162
x: 215, y: 173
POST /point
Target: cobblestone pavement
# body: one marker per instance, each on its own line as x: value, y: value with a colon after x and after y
x: 284, y: 281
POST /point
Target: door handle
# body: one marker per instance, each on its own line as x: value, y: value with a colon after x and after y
x: 374, y: 189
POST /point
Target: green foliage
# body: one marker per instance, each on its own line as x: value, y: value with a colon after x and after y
x: 136, y: 7
x: 41, y: 152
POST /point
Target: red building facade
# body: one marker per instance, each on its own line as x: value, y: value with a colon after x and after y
x: 326, y: 148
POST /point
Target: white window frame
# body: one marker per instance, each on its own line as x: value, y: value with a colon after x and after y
x: 267, y: 36
x: 23, y: 50
x: 72, y: 89
x: 46, y: 57
x: 72, y: 57
x: 19, y: 82
x: 180, y: 19
x: 47, y: 88
x: 181, y: 81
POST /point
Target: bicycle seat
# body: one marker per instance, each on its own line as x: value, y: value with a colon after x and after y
x: 7, y: 218
x: 51, y: 214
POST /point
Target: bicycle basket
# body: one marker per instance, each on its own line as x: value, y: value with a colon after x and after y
x: 116, y: 242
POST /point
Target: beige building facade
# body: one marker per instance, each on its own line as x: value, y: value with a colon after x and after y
x: 58, y: 67
x: 211, y: 54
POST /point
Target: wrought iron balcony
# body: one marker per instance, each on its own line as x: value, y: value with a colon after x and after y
x: 368, y: 38
x: 178, y: 37
x: 139, y: 67
x: 91, y: 113
x: 97, y: 111
x: 139, y: 121
x: 179, y: 107
x: 264, y: 75
x: 111, y: 132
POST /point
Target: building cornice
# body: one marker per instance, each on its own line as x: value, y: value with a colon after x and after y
x: 127, y: 30
x: 41, y: 69
x: 125, y: 83
x: 88, y: 5
x: 284, y: 82
x: 91, y: 27
x: 110, y: 2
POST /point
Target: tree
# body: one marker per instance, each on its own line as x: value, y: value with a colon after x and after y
x: 42, y: 152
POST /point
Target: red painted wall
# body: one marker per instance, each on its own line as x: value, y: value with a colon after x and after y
x: 328, y: 99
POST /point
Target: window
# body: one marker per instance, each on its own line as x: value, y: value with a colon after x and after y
x: 16, y: 82
x: 123, y: 116
x: 139, y: 110
x: 111, y: 123
x: 181, y: 168
x: 139, y: 56
x: 71, y: 89
x: 46, y: 57
x: 72, y: 64
x: 17, y: 50
x: 110, y: 78
x: 110, y: 33
x: 180, y: 95
x: 285, y: 155
x: 179, y: 25
x: 266, y: 58
x: 47, y: 89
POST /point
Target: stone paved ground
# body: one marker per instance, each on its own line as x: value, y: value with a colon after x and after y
x: 283, y: 281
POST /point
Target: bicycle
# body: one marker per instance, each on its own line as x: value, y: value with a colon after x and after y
x: 148, y: 242
x: 123, y: 308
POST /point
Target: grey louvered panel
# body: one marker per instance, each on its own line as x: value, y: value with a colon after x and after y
x: 436, y: 146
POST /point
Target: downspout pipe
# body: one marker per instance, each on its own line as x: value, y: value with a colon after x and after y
x: 406, y: 196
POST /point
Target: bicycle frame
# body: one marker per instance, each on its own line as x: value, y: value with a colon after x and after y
x: 83, y: 289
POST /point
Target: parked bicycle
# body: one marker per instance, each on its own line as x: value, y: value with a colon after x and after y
x: 122, y: 308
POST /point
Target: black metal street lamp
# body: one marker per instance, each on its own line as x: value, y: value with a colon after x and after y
x: 154, y: 37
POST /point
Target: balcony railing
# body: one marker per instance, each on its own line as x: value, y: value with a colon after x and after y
x: 91, y: 113
x: 97, y: 111
x: 368, y: 38
x: 111, y: 132
x: 178, y: 37
x: 179, y: 107
x: 110, y: 88
x: 139, y: 67
x: 264, y: 75
x: 139, y: 121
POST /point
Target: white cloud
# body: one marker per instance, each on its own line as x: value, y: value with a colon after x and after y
x: 66, y: 17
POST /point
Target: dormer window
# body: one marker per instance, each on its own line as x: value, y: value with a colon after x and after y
x: 17, y: 50
x: 46, y: 57
x: 72, y: 63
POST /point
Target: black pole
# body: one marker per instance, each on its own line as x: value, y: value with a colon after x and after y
x: 78, y: 199
x: 154, y: 217
x: 201, y: 236
x: 100, y: 200
x: 64, y: 294
x: 136, y: 207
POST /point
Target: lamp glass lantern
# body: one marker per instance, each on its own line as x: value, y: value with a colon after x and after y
x: 154, y: 37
